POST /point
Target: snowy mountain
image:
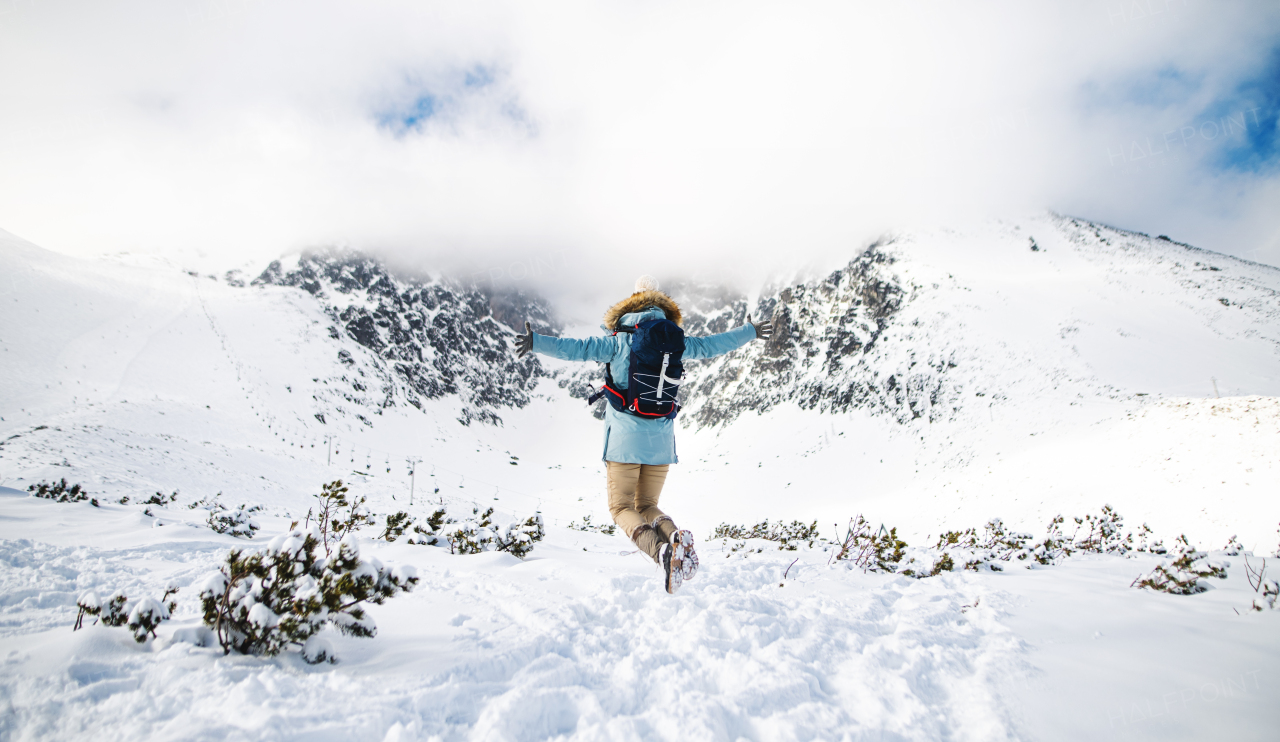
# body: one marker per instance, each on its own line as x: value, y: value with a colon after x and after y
x: 886, y: 334
x: 981, y: 366
x: 426, y: 339
x: 1019, y: 370
x: 920, y: 325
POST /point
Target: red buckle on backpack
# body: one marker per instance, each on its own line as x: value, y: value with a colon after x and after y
x: 636, y: 409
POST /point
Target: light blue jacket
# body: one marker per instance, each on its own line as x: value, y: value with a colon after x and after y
x: 627, y: 438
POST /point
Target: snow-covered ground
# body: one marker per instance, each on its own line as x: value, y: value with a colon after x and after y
x: 578, y: 641
x: 135, y: 377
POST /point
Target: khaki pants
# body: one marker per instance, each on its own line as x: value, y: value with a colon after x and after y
x: 634, y: 490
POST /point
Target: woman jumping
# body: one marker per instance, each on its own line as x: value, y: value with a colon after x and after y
x: 639, y: 429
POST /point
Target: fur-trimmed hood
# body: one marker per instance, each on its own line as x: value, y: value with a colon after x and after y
x: 640, y: 301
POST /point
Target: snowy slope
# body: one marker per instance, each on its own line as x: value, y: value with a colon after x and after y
x: 1026, y: 384
x: 577, y: 642
x: 974, y: 376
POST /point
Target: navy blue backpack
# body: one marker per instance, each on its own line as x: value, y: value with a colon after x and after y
x: 654, y: 373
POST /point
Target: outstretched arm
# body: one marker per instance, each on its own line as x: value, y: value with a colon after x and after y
x: 716, y: 345
x: 600, y: 349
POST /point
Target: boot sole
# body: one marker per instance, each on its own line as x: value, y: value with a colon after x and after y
x: 674, y: 572
x: 683, y: 557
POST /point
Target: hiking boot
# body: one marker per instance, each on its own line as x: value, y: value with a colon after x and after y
x: 665, y: 527
x: 673, y: 575
x: 647, y: 540
x: 684, y: 555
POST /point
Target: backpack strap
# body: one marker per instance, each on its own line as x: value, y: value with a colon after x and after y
x: 609, y: 386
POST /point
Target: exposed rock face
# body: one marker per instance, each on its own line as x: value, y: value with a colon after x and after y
x: 431, y: 338
x: 828, y: 351
x: 582, y: 382
x: 893, y: 333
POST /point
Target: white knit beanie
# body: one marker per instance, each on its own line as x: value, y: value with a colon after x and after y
x: 646, y: 283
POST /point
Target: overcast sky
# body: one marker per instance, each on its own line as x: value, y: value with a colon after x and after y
x: 598, y: 140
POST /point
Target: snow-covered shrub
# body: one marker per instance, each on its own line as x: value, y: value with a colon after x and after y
x: 238, y: 522
x: 969, y: 550
x: 473, y: 535
x: 1055, y: 545
x: 264, y: 601
x: 1103, y: 534
x: 432, y: 532
x: 142, y: 617
x: 520, y: 536
x: 111, y: 613
x: 587, y: 525
x: 59, y: 491
x: 317, y: 649
x: 1269, y: 590
x: 925, y: 562
x: 479, y: 533
x: 789, y: 536
x: 873, y: 551
x: 1145, y: 541
x: 1094, y: 534
x: 1233, y: 547
x: 1182, y: 576
x: 992, y: 548
x: 1270, y: 593
x: 996, y: 544
x: 146, y: 616
x: 397, y: 524
x: 161, y: 499
x: 336, y: 516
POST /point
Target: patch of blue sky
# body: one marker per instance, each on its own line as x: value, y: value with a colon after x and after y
x: 1249, y: 121
x: 421, y: 105
x: 1166, y: 88
x: 478, y: 77
x: 1236, y: 132
x: 412, y: 115
x: 422, y: 108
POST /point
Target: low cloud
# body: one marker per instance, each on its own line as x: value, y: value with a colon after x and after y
x: 570, y: 147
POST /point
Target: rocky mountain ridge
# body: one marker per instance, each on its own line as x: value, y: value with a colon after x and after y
x: 892, y: 333
x: 426, y: 338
